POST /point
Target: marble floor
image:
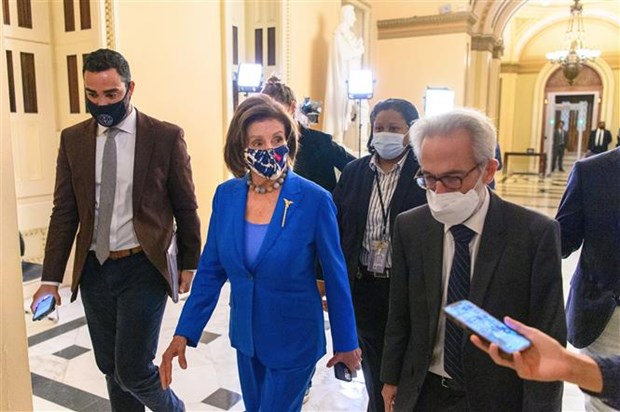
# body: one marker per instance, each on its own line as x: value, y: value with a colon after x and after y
x: 65, y: 377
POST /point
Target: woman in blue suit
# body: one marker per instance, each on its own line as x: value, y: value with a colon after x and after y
x: 267, y: 228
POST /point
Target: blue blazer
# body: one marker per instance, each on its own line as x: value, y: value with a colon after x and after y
x: 589, y: 214
x: 275, y: 307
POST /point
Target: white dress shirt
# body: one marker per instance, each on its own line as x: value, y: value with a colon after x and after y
x: 475, y: 223
x: 122, y: 234
x: 599, y: 137
x: 374, y: 221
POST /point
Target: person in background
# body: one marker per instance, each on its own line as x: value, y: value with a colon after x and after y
x: 589, y: 216
x: 467, y: 243
x: 318, y: 155
x: 500, y: 165
x: 124, y: 179
x: 370, y: 193
x: 599, y: 139
x: 267, y: 229
x: 546, y: 360
x: 317, y: 158
x: 559, y: 145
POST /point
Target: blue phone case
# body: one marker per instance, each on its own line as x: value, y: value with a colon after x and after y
x: 44, y: 308
x: 476, y: 320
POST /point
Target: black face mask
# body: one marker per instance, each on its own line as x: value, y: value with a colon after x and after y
x: 110, y: 114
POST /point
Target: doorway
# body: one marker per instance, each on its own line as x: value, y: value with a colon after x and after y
x: 579, y: 121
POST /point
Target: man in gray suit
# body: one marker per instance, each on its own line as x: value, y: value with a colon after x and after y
x: 467, y: 243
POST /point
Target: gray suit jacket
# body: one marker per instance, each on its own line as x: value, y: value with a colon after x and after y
x: 517, y: 273
x: 163, y: 192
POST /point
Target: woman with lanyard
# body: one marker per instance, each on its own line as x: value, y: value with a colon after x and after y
x: 370, y: 193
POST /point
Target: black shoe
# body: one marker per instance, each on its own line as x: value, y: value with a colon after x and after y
x: 561, y: 170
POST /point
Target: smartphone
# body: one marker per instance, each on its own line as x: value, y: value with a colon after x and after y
x: 342, y: 372
x: 44, y: 307
x: 476, y: 320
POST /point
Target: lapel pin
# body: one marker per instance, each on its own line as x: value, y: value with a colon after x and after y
x: 287, y: 203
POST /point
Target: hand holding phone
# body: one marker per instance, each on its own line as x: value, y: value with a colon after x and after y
x: 44, y: 307
x: 479, y: 322
x: 342, y: 372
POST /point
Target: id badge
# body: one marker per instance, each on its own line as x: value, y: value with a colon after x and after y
x: 378, y: 256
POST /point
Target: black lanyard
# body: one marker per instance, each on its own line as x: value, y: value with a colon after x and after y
x: 383, y: 211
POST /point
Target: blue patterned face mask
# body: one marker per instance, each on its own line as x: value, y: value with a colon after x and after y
x: 268, y: 163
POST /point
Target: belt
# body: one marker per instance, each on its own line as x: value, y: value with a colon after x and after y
x: 444, y: 382
x: 362, y: 271
x: 119, y: 254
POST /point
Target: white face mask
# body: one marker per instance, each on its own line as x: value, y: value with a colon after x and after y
x: 388, y: 145
x: 453, y: 208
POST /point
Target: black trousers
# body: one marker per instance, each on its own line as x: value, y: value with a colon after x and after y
x: 435, y: 396
x: 558, y: 157
x: 124, y: 303
x: 370, y: 300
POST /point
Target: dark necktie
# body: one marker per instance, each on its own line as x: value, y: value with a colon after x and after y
x: 458, y: 289
x: 106, y: 196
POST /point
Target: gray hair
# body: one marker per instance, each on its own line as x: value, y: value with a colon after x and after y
x: 480, y: 128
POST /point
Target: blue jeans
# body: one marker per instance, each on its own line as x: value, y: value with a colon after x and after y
x: 124, y: 302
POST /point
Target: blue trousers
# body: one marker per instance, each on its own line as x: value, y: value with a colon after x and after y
x: 267, y: 390
x: 124, y: 303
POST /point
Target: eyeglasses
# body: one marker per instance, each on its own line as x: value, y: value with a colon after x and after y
x: 427, y: 181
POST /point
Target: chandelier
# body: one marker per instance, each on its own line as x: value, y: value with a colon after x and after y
x: 575, y: 53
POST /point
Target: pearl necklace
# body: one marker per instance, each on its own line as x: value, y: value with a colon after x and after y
x: 264, y: 188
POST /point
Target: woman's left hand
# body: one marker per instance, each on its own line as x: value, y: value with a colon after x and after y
x: 352, y: 359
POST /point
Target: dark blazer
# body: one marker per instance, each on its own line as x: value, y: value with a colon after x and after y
x: 317, y: 157
x: 352, y: 198
x: 599, y: 148
x: 589, y: 215
x: 610, y: 369
x: 163, y: 192
x: 275, y: 307
x: 517, y: 273
x: 559, y: 138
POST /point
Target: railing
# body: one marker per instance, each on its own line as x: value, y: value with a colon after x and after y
x: 542, y: 161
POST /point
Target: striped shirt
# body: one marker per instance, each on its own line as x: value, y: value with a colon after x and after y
x: 374, y: 221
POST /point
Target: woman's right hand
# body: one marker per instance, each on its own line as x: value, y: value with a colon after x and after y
x: 176, y: 348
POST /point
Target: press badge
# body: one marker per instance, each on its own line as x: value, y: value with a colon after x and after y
x: 378, y: 256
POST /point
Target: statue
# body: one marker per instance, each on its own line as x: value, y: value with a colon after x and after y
x: 346, y: 54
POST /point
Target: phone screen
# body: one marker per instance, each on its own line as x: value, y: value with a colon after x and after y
x: 478, y: 321
x: 44, y: 307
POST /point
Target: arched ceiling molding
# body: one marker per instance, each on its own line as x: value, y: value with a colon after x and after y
x: 494, y: 15
x: 607, y: 77
x: 480, y: 9
x: 502, y: 19
x: 533, y: 30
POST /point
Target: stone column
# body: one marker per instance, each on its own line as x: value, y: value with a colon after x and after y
x: 15, y: 384
x: 481, y: 55
x: 493, y: 93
